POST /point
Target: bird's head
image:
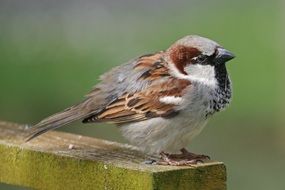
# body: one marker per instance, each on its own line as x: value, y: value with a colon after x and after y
x: 197, y: 56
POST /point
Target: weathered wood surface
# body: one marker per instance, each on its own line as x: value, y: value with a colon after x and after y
x: 60, y: 160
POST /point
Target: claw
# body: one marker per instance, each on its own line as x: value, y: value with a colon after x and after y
x: 184, y: 159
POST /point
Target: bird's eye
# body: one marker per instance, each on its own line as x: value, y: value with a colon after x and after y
x: 201, y: 59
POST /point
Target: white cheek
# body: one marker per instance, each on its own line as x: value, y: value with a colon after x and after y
x: 204, y: 74
x: 201, y: 71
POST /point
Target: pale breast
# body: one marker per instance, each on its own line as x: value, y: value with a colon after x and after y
x: 161, y: 134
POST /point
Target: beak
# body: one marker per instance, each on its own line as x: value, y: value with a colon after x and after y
x: 223, y: 55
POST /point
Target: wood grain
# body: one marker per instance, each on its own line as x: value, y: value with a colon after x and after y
x: 58, y: 160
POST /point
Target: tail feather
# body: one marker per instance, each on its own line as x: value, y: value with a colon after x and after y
x: 55, y: 121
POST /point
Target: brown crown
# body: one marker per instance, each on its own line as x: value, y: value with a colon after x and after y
x: 181, y: 56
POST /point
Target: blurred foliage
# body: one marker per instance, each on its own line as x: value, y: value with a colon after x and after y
x: 51, y: 54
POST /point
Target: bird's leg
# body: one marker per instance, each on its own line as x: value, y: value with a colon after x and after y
x: 166, y: 160
x: 185, y: 154
x: 185, y: 158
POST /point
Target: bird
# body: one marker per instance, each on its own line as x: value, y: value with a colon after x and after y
x: 159, y: 101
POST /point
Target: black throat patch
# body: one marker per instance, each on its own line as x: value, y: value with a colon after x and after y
x: 222, y: 95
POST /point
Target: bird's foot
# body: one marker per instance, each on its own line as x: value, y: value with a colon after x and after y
x: 184, y: 159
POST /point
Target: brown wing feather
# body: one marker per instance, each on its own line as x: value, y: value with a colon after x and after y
x: 154, y: 66
x: 143, y: 105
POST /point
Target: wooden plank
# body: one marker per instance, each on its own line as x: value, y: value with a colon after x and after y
x: 58, y: 160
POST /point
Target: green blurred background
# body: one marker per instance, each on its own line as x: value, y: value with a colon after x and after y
x: 52, y: 52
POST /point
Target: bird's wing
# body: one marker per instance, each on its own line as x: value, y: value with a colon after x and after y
x: 128, y: 93
x: 143, y: 102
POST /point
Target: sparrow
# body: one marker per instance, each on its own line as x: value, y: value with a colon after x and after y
x: 159, y: 101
